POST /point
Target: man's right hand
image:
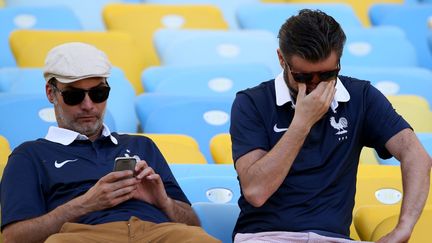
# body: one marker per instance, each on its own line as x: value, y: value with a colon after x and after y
x: 311, y: 107
x: 111, y: 190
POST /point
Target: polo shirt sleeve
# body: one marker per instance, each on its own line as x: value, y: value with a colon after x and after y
x: 21, y: 191
x: 382, y: 121
x: 247, y: 127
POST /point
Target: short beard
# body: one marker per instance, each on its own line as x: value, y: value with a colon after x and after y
x: 291, y: 90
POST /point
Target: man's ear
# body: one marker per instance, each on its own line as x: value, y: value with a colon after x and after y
x: 281, y: 58
x: 49, y: 93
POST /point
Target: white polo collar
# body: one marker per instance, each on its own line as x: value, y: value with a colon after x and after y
x: 283, y: 95
x: 66, y: 136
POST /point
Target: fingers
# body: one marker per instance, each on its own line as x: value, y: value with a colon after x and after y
x: 116, y: 175
x: 301, y: 91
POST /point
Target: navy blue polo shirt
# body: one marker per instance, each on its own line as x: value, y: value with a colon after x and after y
x: 318, y: 193
x: 41, y: 175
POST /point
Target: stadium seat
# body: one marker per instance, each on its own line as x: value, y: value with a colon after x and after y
x: 30, y: 48
x: 368, y: 157
x: 4, y: 153
x: 217, y: 219
x: 28, y: 117
x: 228, y: 7
x: 270, y: 17
x: 194, y: 170
x: 204, y: 80
x: 120, y: 103
x: 214, y: 189
x: 178, y: 148
x: 384, y: 46
x: 142, y: 20
x: 220, y: 148
x: 413, y: 19
x: 12, y: 18
x: 198, y: 47
x: 395, y: 81
x: 89, y: 14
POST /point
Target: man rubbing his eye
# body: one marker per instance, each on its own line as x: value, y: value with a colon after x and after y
x: 296, y: 142
x: 62, y: 188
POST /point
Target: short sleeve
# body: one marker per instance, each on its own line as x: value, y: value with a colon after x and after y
x: 247, y: 127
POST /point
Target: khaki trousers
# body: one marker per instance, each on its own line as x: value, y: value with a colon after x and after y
x: 132, y: 231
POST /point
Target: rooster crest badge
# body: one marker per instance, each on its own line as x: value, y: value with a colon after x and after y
x: 339, y: 125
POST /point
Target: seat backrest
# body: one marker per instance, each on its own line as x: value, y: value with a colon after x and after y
x: 271, y: 16
x: 31, y: 46
x: 413, y: 19
x: 178, y: 148
x: 384, y: 46
x: 204, y: 80
x: 198, y: 119
x: 194, y: 170
x: 220, y: 148
x: 142, y: 20
x: 28, y: 116
x: 13, y: 18
x: 214, y: 189
x: 198, y: 47
x: 218, y: 219
x: 4, y: 153
x: 120, y: 102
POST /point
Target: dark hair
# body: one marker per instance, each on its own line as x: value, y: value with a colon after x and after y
x: 311, y: 35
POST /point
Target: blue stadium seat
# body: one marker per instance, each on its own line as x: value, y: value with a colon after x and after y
x: 214, y: 189
x: 48, y: 17
x: 413, y: 19
x: 209, y: 80
x: 395, y: 81
x: 218, y: 219
x: 384, y: 46
x: 200, y: 119
x: 28, y: 117
x: 271, y: 16
x: 425, y: 139
x: 193, y: 170
x: 120, y: 103
x: 200, y: 47
x: 89, y: 13
x: 228, y: 7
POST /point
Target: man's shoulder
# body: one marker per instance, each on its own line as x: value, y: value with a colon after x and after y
x: 353, y: 83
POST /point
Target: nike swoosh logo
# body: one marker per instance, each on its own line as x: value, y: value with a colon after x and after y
x: 276, y: 129
x: 59, y: 165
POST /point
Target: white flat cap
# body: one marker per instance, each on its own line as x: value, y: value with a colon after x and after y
x: 74, y: 61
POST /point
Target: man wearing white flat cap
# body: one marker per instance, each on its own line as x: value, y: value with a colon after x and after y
x: 62, y: 188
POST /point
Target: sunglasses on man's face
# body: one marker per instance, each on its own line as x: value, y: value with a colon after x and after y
x: 308, y: 77
x: 74, y: 96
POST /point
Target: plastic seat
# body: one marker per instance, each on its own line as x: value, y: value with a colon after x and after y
x: 178, y: 148
x: 228, y: 7
x: 217, y: 219
x: 30, y: 48
x: 384, y: 46
x: 12, y: 18
x: 4, y: 153
x: 120, y: 103
x: 270, y: 17
x: 29, y: 116
x: 198, y: 119
x: 194, y: 170
x: 413, y: 19
x: 395, y: 81
x: 89, y: 13
x: 220, y: 148
x: 214, y: 189
x: 142, y: 20
x: 368, y: 157
x: 199, y: 47
x: 209, y: 80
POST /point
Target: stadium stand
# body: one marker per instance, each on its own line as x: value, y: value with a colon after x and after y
x: 4, y: 153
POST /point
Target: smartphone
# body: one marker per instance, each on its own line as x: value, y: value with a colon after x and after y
x: 125, y: 163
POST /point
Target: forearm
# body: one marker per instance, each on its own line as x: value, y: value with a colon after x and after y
x: 180, y: 212
x: 40, y: 228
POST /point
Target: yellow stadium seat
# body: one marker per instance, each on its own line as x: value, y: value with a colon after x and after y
x: 415, y: 110
x: 2, y: 3
x: 367, y: 156
x: 4, y: 153
x: 178, y: 148
x: 31, y: 46
x: 142, y: 20
x: 220, y: 147
x: 361, y: 7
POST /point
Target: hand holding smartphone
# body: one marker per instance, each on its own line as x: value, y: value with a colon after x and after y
x: 125, y: 163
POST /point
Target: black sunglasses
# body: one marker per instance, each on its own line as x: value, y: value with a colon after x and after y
x: 75, y: 96
x: 308, y: 77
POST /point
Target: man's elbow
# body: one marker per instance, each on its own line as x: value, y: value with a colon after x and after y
x: 255, y: 197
